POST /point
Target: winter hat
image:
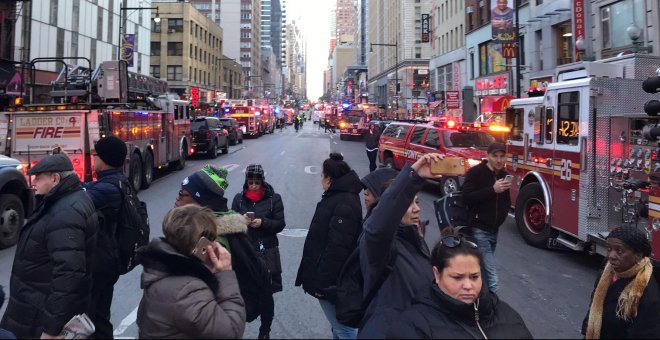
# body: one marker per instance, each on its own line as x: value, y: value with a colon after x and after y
x: 374, y: 180
x: 54, y: 163
x: 255, y: 171
x: 207, y: 187
x: 495, y: 147
x: 634, y: 238
x: 111, y: 150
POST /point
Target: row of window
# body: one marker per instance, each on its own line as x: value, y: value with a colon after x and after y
x: 561, y: 127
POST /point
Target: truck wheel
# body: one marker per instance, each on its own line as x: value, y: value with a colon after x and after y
x: 389, y: 162
x: 449, y: 184
x: 233, y: 141
x: 213, y: 152
x: 240, y: 141
x: 135, y: 173
x: 148, y: 172
x: 530, y: 216
x: 225, y: 149
x: 12, y: 217
x: 181, y: 163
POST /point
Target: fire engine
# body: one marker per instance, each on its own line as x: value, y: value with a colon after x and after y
x: 248, y: 118
x: 90, y: 104
x: 581, y: 163
x: 352, y: 123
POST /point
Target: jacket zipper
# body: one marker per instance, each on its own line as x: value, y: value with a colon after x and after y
x: 476, y: 318
x: 497, y: 200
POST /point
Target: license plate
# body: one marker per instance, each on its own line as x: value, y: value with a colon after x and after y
x: 354, y: 130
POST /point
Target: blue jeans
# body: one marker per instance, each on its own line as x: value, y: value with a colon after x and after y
x: 339, y: 331
x: 487, y: 243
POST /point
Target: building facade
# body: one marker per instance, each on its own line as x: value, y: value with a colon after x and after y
x: 296, y: 61
x: 186, y: 49
x: 210, y: 8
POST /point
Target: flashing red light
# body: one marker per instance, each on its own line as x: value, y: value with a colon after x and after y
x: 476, y: 125
x: 451, y: 124
x: 192, y: 151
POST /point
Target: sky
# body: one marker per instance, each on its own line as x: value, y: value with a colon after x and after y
x: 315, y: 25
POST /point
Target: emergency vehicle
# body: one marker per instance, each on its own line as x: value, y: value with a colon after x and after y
x: 352, y: 123
x: 580, y: 161
x: 267, y: 119
x: 248, y: 118
x: 108, y: 101
x: 405, y: 142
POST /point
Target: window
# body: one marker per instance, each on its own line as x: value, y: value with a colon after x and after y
x: 396, y: 131
x: 191, y: 50
x: 466, y: 139
x: 175, y: 48
x: 74, y: 43
x: 53, y: 13
x: 175, y: 25
x: 75, y: 18
x: 59, y: 50
x: 99, y: 24
x: 418, y: 52
x: 155, y: 48
x: 417, y: 135
x: 155, y: 71
x: 471, y: 65
x: 432, y: 139
x: 155, y: 26
x: 549, y: 122
x: 568, y: 118
x: 617, y: 17
x: 517, y: 118
x: 92, y: 53
x: 174, y: 72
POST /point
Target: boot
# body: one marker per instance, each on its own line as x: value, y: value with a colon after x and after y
x: 264, y: 332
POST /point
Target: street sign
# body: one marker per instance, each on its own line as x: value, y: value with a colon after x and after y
x: 453, y: 99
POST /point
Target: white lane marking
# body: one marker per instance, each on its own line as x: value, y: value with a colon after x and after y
x: 127, y: 322
x: 335, y: 142
x: 293, y: 232
x: 282, y: 153
x: 312, y: 169
x: 231, y: 167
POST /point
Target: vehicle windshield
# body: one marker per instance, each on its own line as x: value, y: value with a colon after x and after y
x: 467, y: 139
x: 198, y: 124
x: 352, y: 119
x: 225, y: 122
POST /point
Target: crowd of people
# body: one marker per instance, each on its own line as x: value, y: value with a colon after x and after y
x: 217, y: 266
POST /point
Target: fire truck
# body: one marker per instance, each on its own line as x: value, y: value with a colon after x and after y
x: 267, y: 119
x: 87, y: 105
x: 352, y: 123
x: 581, y: 160
x: 248, y: 118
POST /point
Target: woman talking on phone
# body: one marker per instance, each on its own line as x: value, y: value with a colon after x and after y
x: 264, y: 212
x: 186, y: 296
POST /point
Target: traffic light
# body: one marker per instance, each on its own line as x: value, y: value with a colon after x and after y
x: 652, y: 85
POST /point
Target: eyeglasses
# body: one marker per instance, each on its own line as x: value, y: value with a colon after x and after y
x: 453, y: 242
x: 257, y: 182
x: 183, y: 194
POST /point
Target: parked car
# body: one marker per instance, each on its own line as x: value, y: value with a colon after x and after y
x: 235, y: 132
x: 16, y: 201
x: 403, y: 143
x: 209, y: 135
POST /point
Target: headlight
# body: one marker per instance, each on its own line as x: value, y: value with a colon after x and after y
x: 19, y: 167
x: 473, y: 162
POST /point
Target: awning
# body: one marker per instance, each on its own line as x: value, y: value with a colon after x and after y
x: 495, y: 104
x: 434, y: 104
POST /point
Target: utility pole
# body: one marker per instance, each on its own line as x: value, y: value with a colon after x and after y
x: 519, y: 50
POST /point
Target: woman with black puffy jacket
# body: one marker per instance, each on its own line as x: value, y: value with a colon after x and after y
x: 264, y: 212
x: 332, y: 237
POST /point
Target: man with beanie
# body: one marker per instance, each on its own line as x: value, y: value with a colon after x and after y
x: 51, y: 276
x: 373, y: 184
x: 207, y: 187
x: 486, y: 192
x: 109, y: 157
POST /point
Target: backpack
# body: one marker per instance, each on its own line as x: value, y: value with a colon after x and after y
x: 451, y: 211
x: 252, y: 274
x: 132, y: 226
x: 351, y: 303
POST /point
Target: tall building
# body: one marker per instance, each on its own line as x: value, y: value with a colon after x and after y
x: 345, y: 26
x: 243, y: 19
x: 361, y: 33
x: 272, y: 28
x: 296, y: 60
x: 186, y: 48
x: 209, y: 8
x: 79, y: 28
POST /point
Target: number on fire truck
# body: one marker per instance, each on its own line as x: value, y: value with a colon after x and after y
x: 565, y: 172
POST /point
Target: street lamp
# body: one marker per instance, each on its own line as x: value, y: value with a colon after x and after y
x: 396, y: 67
x: 634, y: 33
x: 124, y: 18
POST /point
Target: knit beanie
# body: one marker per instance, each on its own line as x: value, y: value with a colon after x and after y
x: 207, y: 187
x: 111, y: 150
x: 374, y: 180
x: 255, y: 171
x: 633, y: 237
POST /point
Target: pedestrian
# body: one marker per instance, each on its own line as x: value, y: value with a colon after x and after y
x: 207, y: 187
x: 109, y: 157
x: 455, y: 306
x: 486, y: 192
x: 296, y: 122
x: 184, y: 296
x: 263, y: 210
x: 373, y: 184
x: 332, y: 237
x: 371, y: 142
x: 51, y: 277
x: 392, y: 257
x: 625, y: 303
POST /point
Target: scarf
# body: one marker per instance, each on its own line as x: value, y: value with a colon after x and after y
x: 626, y: 307
x: 255, y: 196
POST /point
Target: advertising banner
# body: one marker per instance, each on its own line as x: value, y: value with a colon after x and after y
x: 127, y: 48
x: 501, y: 14
x: 578, y: 22
x: 426, y: 28
x: 194, y: 96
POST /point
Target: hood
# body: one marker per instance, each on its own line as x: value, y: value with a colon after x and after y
x: 467, y: 153
x: 161, y: 260
x: 231, y: 223
x: 374, y: 180
x: 268, y: 193
x: 440, y: 301
x: 347, y: 183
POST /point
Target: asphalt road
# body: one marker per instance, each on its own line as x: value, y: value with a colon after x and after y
x: 550, y: 289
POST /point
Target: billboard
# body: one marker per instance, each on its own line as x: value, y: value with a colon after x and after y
x: 127, y: 47
x: 501, y: 20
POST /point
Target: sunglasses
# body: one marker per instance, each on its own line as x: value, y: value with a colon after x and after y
x: 257, y: 182
x: 453, y: 242
x: 183, y: 194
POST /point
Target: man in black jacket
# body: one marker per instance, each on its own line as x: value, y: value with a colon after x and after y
x: 486, y: 192
x: 371, y: 141
x: 51, y: 275
x: 109, y: 157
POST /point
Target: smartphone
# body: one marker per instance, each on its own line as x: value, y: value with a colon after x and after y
x: 200, y: 249
x: 449, y: 166
x: 57, y: 149
x: 250, y: 215
x: 508, y: 178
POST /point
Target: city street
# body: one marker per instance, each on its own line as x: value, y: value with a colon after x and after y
x: 550, y: 289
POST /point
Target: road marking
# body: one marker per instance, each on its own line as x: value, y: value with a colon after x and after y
x: 312, y: 169
x: 230, y: 167
x: 293, y: 232
x: 335, y: 142
x: 127, y: 322
x: 282, y: 153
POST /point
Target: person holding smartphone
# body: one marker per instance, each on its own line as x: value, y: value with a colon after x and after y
x: 263, y: 210
x: 190, y: 289
x: 486, y: 192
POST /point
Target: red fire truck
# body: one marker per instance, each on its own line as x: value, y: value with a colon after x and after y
x: 352, y: 123
x: 248, y: 118
x: 580, y: 160
x: 267, y: 119
x: 107, y: 100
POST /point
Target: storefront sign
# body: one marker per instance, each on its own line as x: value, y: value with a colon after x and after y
x: 494, y: 85
x: 456, y: 74
x: 426, y: 30
x: 194, y: 96
x: 578, y: 22
x: 509, y: 50
x: 453, y: 100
